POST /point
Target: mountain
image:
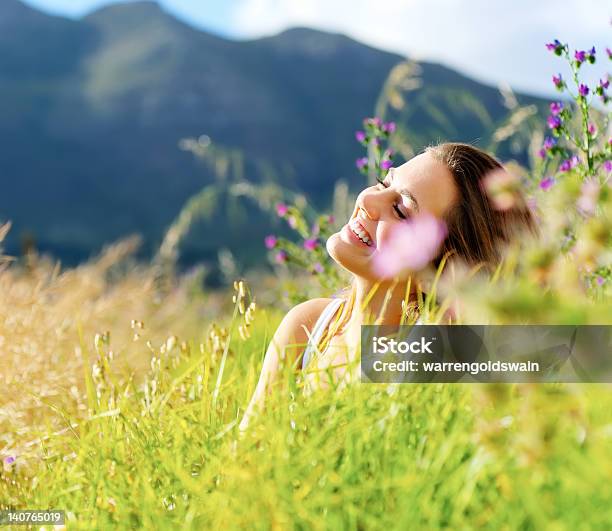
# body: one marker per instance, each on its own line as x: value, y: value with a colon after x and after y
x: 92, y: 112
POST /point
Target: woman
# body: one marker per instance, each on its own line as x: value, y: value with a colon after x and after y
x: 446, y: 182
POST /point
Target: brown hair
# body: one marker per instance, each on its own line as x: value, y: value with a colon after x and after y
x: 476, y: 230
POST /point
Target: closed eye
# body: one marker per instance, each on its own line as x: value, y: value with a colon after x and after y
x: 382, y: 185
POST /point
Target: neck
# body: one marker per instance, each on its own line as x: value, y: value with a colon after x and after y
x: 381, y: 303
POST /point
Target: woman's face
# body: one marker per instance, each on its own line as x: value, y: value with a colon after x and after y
x: 421, y: 185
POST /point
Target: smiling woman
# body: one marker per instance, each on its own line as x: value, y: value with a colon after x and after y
x: 433, y: 206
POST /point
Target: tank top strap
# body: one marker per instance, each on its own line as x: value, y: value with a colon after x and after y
x: 319, y: 329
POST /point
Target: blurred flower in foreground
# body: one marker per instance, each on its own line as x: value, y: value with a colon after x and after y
x: 503, y: 188
x: 587, y: 202
x: 411, y: 246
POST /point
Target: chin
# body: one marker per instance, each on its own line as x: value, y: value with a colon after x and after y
x: 344, y: 255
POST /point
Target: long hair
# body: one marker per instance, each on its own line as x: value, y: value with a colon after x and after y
x: 477, y: 232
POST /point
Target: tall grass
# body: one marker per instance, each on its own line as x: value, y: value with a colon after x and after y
x: 108, y: 406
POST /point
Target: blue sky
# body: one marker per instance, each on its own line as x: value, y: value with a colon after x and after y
x: 491, y: 40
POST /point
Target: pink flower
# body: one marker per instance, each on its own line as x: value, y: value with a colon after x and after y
x: 311, y: 244
x: 360, y: 136
x: 386, y: 164
x: 318, y: 268
x: 281, y: 257
x: 270, y: 241
x: 608, y: 166
x: 592, y: 129
x: 411, y: 246
x: 282, y: 209
x: 331, y: 220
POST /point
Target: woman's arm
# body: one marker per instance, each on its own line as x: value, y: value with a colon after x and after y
x: 288, y: 343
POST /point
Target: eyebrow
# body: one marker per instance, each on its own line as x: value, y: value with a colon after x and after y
x: 405, y: 192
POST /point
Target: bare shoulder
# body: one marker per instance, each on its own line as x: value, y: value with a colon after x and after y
x: 305, y: 314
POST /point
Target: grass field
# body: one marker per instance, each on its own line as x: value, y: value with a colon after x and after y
x: 135, y: 429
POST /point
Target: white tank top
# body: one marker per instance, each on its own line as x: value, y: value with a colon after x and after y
x: 319, y: 329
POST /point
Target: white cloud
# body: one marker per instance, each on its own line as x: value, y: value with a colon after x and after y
x: 493, y: 41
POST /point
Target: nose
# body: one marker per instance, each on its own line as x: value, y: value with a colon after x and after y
x: 369, y: 203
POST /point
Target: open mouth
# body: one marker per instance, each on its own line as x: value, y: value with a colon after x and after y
x: 359, y: 231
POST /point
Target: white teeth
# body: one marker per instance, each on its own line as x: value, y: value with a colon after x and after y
x: 361, y: 235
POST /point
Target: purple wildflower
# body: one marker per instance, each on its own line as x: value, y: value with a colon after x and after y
x: 547, y: 183
x: 389, y: 127
x: 553, y: 46
x: 569, y: 164
x: 9, y: 460
x: 608, y: 166
x: 377, y: 121
x: 318, y: 268
x: 558, y: 82
x: 609, y: 52
x: 583, y: 90
x: 386, y: 164
x: 311, y: 244
x: 580, y: 56
x: 270, y: 241
x: 591, y: 55
x: 556, y: 107
x: 361, y: 162
x: 592, y: 129
x: 360, y: 136
x: 281, y: 209
x: 281, y: 257
x: 604, y: 84
x: 549, y: 142
x: 600, y: 280
x: 542, y: 153
x: 554, y: 122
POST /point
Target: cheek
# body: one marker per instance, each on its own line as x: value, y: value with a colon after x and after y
x: 383, y: 234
